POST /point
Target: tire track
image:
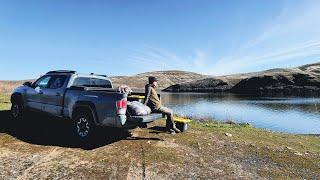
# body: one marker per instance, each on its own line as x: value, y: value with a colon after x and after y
x: 143, y: 161
x: 52, y: 154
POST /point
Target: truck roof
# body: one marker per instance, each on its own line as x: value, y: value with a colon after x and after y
x: 62, y: 72
x: 75, y: 72
x: 92, y: 76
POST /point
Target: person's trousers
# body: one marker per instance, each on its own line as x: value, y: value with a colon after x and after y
x: 169, y: 113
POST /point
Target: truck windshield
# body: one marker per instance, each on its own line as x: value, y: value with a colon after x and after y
x: 92, y: 82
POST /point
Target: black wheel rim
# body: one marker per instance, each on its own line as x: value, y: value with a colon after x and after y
x: 83, y: 127
x: 15, y: 110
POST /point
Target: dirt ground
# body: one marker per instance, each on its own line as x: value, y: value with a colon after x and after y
x: 41, y: 147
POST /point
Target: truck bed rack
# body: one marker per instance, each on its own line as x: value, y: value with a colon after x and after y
x: 85, y: 88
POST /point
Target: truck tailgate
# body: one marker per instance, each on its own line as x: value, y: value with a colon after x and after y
x: 146, y: 118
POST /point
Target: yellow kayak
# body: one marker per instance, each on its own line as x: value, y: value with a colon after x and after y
x: 137, y: 96
x: 181, y: 119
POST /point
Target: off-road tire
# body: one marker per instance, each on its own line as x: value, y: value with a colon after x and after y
x: 18, y: 111
x: 83, y: 126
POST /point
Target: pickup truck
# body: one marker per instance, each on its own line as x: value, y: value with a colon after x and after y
x: 88, y: 100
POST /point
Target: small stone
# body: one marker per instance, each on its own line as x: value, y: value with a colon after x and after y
x: 289, y: 148
x: 228, y: 134
x: 298, y: 153
x: 202, y: 161
x: 149, y: 142
x: 199, y: 146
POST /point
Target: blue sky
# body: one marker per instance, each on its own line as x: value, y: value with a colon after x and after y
x: 127, y: 37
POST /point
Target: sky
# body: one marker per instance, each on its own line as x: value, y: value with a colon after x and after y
x: 125, y: 37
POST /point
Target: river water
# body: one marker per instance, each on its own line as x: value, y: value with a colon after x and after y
x: 285, y: 114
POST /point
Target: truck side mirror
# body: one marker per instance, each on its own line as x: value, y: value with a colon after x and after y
x: 29, y: 84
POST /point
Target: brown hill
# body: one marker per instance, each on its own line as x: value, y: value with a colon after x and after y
x: 300, y: 80
x: 296, y: 81
x: 166, y: 78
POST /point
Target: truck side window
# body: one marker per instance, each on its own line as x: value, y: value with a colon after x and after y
x: 92, y: 82
x: 101, y: 83
x: 82, y: 82
x: 43, y: 82
x: 57, y: 82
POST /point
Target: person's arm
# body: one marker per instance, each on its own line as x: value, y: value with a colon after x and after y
x: 148, y: 96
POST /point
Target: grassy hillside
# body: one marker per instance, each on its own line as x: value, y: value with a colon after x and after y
x: 300, y: 80
x: 166, y: 78
x: 295, y: 80
x: 6, y: 87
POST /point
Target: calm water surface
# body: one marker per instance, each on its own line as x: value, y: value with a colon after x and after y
x: 291, y: 115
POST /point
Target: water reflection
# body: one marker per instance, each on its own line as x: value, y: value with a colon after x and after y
x: 292, y: 115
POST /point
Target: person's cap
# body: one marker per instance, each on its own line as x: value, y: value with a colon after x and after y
x: 152, y: 79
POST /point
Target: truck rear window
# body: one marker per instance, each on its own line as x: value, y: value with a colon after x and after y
x: 92, y: 82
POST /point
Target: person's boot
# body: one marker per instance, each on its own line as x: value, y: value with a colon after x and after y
x: 171, y: 126
x: 175, y: 128
x: 171, y: 131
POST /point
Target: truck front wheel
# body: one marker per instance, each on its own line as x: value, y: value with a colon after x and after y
x: 83, y: 125
x: 17, y: 110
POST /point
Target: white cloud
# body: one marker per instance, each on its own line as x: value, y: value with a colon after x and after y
x: 294, y: 34
x: 233, y: 64
x: 150, y: 58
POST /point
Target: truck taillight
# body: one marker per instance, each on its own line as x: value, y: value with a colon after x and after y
x: 122, y: 104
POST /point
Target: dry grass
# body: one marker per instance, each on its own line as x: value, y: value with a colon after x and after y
x: 6, y: 87
x: 4, y: 102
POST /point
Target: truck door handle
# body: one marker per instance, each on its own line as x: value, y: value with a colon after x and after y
x: 58, y: 94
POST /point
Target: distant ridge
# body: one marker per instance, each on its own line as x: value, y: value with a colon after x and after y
x: 166, y: 78
x: 292, y: 81
x: 301, y: 80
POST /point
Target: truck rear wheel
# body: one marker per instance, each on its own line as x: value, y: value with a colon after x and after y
x: 83, y: 126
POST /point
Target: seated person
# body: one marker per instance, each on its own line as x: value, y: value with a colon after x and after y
x: 152, y: 100
x: 56, y: 84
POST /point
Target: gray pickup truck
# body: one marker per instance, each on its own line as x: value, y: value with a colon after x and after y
x: 88, y: 100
